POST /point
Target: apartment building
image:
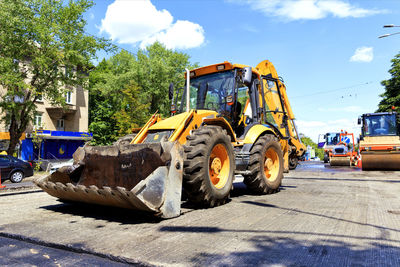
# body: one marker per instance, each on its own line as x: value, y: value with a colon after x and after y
x: 60, y: 130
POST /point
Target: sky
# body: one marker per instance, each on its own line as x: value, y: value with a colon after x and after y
x: 327, y: 51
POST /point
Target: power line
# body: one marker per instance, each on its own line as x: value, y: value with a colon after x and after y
x: 333, y: 90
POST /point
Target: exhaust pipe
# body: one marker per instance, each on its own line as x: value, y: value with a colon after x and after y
x: 187, y: 90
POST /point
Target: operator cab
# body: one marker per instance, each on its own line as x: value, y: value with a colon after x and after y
x: 223, y: 92
x: 379, y: 124
x: 237, y: 93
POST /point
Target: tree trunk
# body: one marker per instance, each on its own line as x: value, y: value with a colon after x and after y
x: 15, y: 133
x: 14, y: 140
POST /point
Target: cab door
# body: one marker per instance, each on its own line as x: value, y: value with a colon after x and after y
x: 6, y: 166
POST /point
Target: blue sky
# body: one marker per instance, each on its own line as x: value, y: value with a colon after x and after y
x: 327, y: 51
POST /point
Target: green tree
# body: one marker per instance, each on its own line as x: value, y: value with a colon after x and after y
x: 391, y: 96
x: 128, y: 117
x: 126, y: 89
x: 108, y: 89
x: 155, y: 68
x: 43, y: 53
x: 319, y: 152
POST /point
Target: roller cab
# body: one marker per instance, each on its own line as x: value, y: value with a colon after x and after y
x: 343, y: 154
x: 380, y: 141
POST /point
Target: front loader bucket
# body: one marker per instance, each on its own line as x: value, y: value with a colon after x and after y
x: 142, y: 176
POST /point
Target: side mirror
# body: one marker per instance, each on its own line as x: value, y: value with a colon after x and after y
x: 171, y: 91
x: 247, y: 75
x: 321, y: 140
x: 359, y: 121
x: 229, y: 100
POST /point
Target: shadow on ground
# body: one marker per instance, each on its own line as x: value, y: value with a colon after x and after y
x: 111, y: 214
x: 285, y: 251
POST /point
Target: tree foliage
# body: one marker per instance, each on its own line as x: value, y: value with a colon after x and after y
x: 126, y: 89
x: 131, y: 114
x: 43, y: 52
x: 391, y: 96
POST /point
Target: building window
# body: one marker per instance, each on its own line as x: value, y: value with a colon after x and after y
x: 68, y: 97
x: 39, y: 98
x: 38, y: 121
x: 60, y: 125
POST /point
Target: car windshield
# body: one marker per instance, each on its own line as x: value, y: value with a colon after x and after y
x: 332, y: 139
x: 380, y: 125
x: 210, y: 91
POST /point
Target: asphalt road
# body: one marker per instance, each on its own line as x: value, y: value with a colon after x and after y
x: 14, y: 252
x: 322, y: 217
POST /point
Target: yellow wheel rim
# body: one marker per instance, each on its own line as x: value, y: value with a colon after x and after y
x: 219, y: 166
x: 271, y: 164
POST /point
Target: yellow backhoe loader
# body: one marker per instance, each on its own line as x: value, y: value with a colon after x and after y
x: 229, y: 119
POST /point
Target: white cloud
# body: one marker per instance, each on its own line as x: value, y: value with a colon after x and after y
x: 363, y: 54
x: 313, y: 129
x: 183, y: 34
x: 139, y: 22
x: 308, y: 9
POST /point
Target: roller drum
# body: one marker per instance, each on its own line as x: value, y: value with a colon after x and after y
x: 380, y: 160
x: 339, y: 161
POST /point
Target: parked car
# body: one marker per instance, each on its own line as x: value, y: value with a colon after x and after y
x: 14, y: 169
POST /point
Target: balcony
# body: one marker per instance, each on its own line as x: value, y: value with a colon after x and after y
x: 59, y: 112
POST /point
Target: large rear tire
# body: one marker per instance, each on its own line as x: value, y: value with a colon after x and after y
x: 208, y: 167
x: 265, y: 166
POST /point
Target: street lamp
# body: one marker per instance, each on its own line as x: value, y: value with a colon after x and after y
x: 390, y: 26
x: 389, y: 34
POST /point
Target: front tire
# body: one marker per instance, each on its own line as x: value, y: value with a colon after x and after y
x: 265, y: 166
x: 208, y: 167
x: 293, y: 161
x: 16, y: 177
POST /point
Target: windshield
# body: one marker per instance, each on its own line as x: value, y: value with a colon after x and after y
x: 332, y: 139
x: 380, y: 125
x: 210, y: 91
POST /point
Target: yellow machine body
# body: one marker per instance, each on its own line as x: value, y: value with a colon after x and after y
x: 159, y: 145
